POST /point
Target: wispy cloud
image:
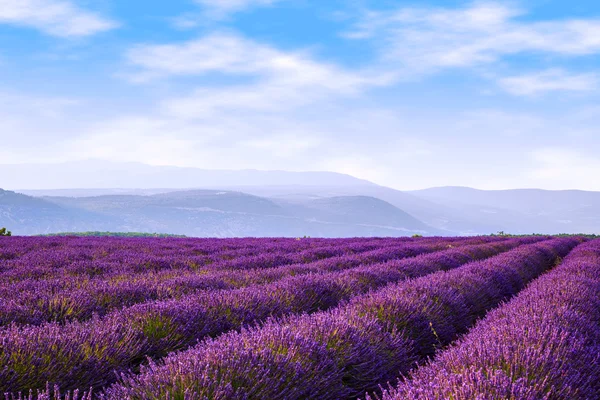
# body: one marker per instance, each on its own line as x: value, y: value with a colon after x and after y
x: 276, y: 79
x: 222, y: 8
x: 54, y: 17
x: 421, y: 40
x: 224, y: 53
x: 548, y: 81
x: 211, y: 11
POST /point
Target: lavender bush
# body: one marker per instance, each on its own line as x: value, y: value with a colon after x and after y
x: 349, y: 350
x: 89, y: 353
x: 544, y: 344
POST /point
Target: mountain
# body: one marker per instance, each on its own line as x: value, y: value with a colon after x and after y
x: 523, y: 210
x: 365, y: 210
x: 529, y: 201
x: 446, y: 220
x: 466, y: 211
x: 214, y: 213
x: 95, y: 174
x: 29, y: 215
x: 276, y: 203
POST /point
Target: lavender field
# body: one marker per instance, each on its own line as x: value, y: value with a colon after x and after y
x: 361, y: 318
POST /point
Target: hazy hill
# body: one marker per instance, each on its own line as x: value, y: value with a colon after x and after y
x: 448, y: 220
x: 366, y: 210
x: 214, y: 213
x: 530, y: 201
x: 523, y: 210
x: 99, y: 178
x: 138, y: 197
x: 468, y: 211
x: 29, y: 215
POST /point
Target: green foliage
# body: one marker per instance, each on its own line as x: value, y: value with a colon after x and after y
x: 5, y: 232
x: 504, y: 234
x: 416, y: 235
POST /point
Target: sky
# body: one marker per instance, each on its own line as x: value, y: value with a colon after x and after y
x: 487, y: 94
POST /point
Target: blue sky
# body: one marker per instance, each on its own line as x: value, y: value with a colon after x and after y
x: 407, y: 94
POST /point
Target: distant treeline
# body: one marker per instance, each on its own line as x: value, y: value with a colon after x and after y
x: 587, y: 235
x: 116, y: 234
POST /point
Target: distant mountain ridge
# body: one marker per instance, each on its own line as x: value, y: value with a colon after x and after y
x: 524, y: 200
x: 523, y: 210
x: 30, y: 215
x: 211, y: 213
x: 197, y: 202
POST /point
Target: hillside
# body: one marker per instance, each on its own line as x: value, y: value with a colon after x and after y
x: 212, y: 213
x: 523, y: 210
x: 29, y: 215
x: 299, y: 210
x: 466, y: 211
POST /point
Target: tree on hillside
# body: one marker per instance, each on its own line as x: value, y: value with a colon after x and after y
x: 4, y: 232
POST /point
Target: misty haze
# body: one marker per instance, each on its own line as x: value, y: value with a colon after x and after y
x: 134, y: 197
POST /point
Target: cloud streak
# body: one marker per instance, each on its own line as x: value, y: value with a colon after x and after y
x: 424, y: 40
x: 54, y: 17
x: 275, y: 80
x: 551, y: 80
x: 222, y: 8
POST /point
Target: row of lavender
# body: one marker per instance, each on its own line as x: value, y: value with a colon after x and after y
x: 35, y: 301
x: 544, y: 344
x: 344, y: 352
x: 37, y: 257
x: 84, y: 354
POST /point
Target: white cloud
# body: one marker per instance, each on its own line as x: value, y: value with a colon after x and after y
x: 223, y: 53
x: 215, y: 10
x: 234, y: 55
x: 420, y: 40
x: 548, y: 81
x: 275, y: 79
x: 221, y: 8
x: 54, y: 17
